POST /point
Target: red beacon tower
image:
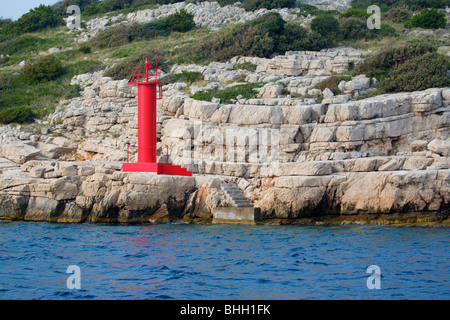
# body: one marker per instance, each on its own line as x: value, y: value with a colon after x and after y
x: 147, y: 79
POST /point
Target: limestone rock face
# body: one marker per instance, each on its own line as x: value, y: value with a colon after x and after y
x: 160, y: 214
x: 271, y: 90
x: 111, y: 196
x: 206, y: 15
x: 356, y: 193
x: 250, y: 115
x: 294, y: 150
x: 392, y: 192
x: 13, y: 207
x: 18, y: 152
x: 441, y: 147
x: 358, y: 83
x: 43, y: 209
x: 53, y: 151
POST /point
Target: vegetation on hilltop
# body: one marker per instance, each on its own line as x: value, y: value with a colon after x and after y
x: 41, y: 84
x: 308, y: 9
x: 181, y: 21
x: 37, y: 19
x: 45, y: 69
x: 17, y: 114
x: 251, y: 5
x: 386, y: 5
x: 270, y: 34
x: 428, y: 19
x: 188, y: 77
x: 93, y: 7
x: 4, y: 21
x: 412, y: 67
x: 36, y: 88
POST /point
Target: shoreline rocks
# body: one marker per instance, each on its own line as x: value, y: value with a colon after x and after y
x: 109, y: 195
x: 297, y: 158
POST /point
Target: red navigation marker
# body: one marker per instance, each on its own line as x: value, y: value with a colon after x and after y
x: 147, y: 78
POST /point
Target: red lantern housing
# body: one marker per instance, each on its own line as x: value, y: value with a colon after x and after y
x: 147, y: 78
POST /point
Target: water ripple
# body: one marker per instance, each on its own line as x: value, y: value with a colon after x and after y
x: 221, y: 262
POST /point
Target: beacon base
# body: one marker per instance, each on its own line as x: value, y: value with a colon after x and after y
x: 159, y: 168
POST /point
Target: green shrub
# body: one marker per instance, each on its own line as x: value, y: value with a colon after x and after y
x: 124, y: 52
x: 399, y: 15
x: 160, y: 27
x: 115, y: 37
x: 140, y: 3
x: 325, y: 25
x: 36, y: 19
x: 414, y: 66
x: 5, y: 61
x: 17, y: 91
x: 420, y: 73
x: 60, y: 7
x: 85, y: 49
x: 355, y: 13
x: 428, y: 19
x: 181, y: 21
x: 18, y: 114
x: 382, y: 63
x: 306, y: 9
x: 21, y: 44
x: 252, y: 5
x: 83, y: 66
x: 245, y: 66
x: 188, y: 77
x: 297, y: 38
x: 92, y: 10
x: 121, y: 35
x: 4, y: 22
x: 262, y: 37
x: 45, y: 69
x: 113, y: 5
x: 271, y: 23
x: 42, y: 84
x: 385, y: 5
x: 354, y: 29
x: 226, y: 95
x: 95, y: 7
x: 385, y: 31
x: 258, y: 37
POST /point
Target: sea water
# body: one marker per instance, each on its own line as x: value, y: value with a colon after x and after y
x: 198, y: 262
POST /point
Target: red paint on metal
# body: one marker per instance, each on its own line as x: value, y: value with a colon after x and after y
x: 147, y: 122
x: 149, y: 91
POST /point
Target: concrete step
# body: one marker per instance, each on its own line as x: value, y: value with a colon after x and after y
x: 235, y: 195
x: 235, y: 215
x: 240, y: 199
x: 246, y: 205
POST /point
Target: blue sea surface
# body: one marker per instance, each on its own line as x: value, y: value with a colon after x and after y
x: 197, y: 262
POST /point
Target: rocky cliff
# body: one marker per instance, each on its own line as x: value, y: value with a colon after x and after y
x: 294, y: 150
x: 206, y: 15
